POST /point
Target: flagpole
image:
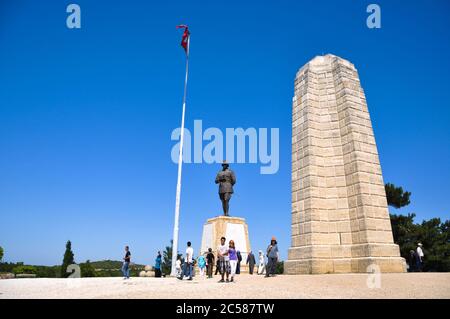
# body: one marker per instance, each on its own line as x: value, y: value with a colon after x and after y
x: 180, y: 162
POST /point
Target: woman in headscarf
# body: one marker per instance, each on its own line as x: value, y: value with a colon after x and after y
x: 261, y: 263
x: 158, y: 262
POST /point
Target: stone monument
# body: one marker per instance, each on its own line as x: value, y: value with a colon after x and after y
x: 234, y: 228
x: 340, y: 219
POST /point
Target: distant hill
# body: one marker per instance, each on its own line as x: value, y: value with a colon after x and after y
x: 102, y: 268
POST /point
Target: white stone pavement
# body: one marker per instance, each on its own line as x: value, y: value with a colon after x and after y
x: 409, y: 285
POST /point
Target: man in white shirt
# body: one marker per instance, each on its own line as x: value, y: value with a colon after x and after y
x: 224, y: 259
x: 188, y: 262
x: 420, y: 256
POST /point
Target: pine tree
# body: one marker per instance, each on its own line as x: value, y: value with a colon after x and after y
x: 433, y: 234
x: 1, y: 254
x: 67, y: 260
x: 395, y: 196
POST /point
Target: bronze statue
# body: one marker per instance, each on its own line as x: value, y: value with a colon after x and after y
x: 226, y: 179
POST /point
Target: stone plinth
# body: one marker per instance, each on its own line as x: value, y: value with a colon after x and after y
x: 340, y: 219
x: 234, y: 228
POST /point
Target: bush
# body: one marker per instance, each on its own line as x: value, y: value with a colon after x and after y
x: 29, y: 270
x: 279, y: 268
x: 48, y: 271
x: 87, y: 270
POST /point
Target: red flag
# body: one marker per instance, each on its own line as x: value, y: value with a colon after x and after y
x: 185, y: 38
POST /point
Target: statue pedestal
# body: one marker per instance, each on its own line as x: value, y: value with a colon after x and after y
x: 232, y: 228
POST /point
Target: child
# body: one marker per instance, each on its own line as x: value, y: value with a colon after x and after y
x: 201, y: 265
x: 178, y: 267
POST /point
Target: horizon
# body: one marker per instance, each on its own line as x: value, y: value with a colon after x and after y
x: 87, y: 115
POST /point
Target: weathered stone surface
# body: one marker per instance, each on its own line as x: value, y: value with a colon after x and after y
x: 7, y: 276
x: 148, y: 272
x: 340, y: 219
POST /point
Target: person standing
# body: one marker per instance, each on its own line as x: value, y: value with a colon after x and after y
x: 188, y: 262
x: 178, y: 267
x: 232, y: 253
x: 251, y: 262
x: 238, y: 267
x: 412, y: 260
x: 209, y: 263
x: 201, y: 265
x: 419, y: 257
x: 126, y: 263
x: 217, y: 266
x: 158, y: 262
x: 261, y: 264
x: 272, y: 256
x: 224, y: 260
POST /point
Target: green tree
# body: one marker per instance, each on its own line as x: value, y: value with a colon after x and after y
x: 396, y: 197
x: 279, y: 269
x: 405, y: 233
x: 67, y: 260
x: 1, y: 253
x: 48, y: 271
x: 167, y: 259
x: 87, y: 269
x: 403, y: 227
x: 433, y: 234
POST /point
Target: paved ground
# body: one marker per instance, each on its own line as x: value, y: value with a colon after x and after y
x: 411, y: 285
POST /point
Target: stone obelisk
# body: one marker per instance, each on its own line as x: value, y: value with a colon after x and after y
x: 340, y: 219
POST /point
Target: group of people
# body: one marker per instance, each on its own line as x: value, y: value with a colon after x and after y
x: 227, y: 261
x: 127, y: 263
x: 416, y: 257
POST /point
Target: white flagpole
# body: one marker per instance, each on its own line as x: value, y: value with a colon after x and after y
x: 180, y: 162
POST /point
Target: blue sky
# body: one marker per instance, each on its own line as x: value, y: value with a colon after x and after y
x: 86, y: 115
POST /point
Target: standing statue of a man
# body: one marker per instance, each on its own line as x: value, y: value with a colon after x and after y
x: 226, y: 179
